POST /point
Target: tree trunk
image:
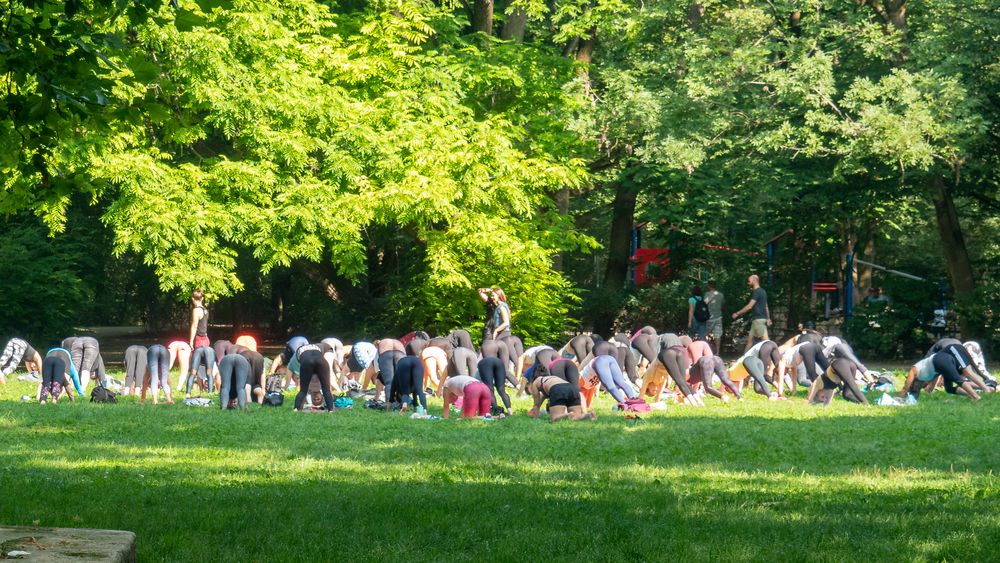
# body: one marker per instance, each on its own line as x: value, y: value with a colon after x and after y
x: 562, y: 207
x: 513, y: 28
x: 482, y: 16
x: 616, y: 272
x: 865, y: 272
x: 696, y: 11
x: 952, y: 239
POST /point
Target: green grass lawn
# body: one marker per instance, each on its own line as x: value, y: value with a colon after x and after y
x: 749, y: 481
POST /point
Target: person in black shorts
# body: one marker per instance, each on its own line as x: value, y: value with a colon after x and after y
x: 564, y: 398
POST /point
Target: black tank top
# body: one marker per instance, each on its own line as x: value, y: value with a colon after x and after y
x: 202, y: 328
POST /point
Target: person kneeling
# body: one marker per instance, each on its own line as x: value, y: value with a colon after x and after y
x: 477, y: 398
x: 564, y: 398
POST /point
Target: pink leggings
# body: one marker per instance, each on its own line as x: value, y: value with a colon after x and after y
x: 477, y: 400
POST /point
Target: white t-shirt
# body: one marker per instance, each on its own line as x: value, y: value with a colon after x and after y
x: 925, y: 369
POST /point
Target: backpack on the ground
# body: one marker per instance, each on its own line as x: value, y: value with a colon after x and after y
x: 272, y: 384
x: 101, y: 394
x: 274, y: 399
x: 701, y: 313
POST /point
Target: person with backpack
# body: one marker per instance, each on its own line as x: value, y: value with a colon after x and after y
x: 698, y: 315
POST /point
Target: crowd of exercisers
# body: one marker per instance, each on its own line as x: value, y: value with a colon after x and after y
x: 636, y: 369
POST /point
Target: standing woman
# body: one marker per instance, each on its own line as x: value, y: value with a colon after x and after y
x: 491, y: 308
x: 501, y: 321
x: 199, y: 321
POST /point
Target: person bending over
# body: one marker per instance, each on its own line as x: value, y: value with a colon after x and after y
x: 607, y: 369
x: 15, y: 351
x: 135, y: 368
x: 390, y: 351
x: 407, y: 386
x: 55, y: 367
x: 841, y: 374
x: 945, y: 363
x: 476, y: 396
x: 312, y: 363
x: 234, y: 372
x: 492, y: 372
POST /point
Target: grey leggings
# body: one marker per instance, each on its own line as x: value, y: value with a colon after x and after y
x: 158, y: 364
x: 647, y: 345
x: 613, y: 379
x: 203, y: 356
x: 769, y: 354
x: 705, y: 368
x: 675, y: 359
x: 85, y: 351
x: 135, y: 365
x: 234, y: 370
x: 755, y: 368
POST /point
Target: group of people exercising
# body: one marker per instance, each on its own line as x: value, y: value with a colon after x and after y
x: 631, y: 367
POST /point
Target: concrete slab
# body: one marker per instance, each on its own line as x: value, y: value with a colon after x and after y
x: 61, y: 545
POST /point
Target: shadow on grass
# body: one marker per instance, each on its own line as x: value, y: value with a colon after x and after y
x: 912, y: 484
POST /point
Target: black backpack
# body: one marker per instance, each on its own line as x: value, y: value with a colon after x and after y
x: 102, y: 394
x: 701, y: 313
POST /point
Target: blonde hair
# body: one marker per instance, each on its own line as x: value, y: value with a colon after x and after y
x: 500, y: 294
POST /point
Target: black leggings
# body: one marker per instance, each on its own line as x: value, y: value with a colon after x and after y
x: 812, y: 357
x: 135, y: 365
x: 947, y: 363
x: 769, y: 354
x: 708, y: 366
x: 234, y: 370
x: 566, y: 370
x: 495, y: 349
x: 493, y: 373
x: 408, y: 383
x: 647, y: 345
x: 845, y: 370
x: 387, y: 366
x: 676, y: 360
x: 53, y: 371
x: 312, y: 363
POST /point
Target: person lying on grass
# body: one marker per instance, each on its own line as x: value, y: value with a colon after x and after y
x: 477, y: 398
x: 564, y: 398
x: 946, y: 363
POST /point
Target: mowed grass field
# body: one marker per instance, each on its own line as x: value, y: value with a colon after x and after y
x: 745, y: 481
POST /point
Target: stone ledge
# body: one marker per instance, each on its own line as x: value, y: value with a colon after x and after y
x: 58, y: 545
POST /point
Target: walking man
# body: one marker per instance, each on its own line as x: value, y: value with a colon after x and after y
x: 761, y: 316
